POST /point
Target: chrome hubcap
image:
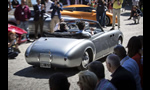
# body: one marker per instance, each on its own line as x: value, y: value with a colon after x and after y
x: 85, y: 60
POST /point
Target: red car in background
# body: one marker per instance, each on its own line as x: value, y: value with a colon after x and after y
x: 21, y: 34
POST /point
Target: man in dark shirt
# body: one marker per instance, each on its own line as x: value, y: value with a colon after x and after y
x: 121, y: 78
x: 38, y: 17
x: 22, y: 15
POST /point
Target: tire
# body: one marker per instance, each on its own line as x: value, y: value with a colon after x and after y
x: 107, y: 21
x: 85, y: 61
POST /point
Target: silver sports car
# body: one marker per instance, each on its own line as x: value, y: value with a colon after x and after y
x: 67, y: 49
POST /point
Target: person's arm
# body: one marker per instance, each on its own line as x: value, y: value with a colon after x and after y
x: 16, y: 14
x: 52, y: 6
x: 29, y: 14
x: 59, y: 6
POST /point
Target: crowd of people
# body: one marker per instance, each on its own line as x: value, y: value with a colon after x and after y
x: 126, y: 69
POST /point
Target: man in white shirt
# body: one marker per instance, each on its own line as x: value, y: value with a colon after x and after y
x: 81, y: 26
x: 48, y: 4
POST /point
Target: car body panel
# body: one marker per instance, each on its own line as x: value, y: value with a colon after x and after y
x: 63, y: 51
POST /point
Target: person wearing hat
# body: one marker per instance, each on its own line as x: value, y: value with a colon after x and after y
x: 13, y: 49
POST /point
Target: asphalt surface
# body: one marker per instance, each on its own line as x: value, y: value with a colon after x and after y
x: 22, y: 76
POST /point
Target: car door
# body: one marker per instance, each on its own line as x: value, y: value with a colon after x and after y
x: 113, y: 39
x: 84, y: 12
x: 101, y: 43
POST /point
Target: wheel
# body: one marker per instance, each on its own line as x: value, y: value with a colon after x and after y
x: 120, y: 41
x: 85, y: 61
x: 107, y: 21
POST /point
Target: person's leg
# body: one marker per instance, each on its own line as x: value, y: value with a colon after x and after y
x: 134, y: 19
x: 98, y: 16
x: 118, y: 17
x: 57, y: 20
x: 104, y: 19
x: 36, y: 29
x: 41, y: 26
x: 138, y: 19
x: 114, y: 18
x: 52, y: 25
x: 101, y: 18
x: 25, y: 25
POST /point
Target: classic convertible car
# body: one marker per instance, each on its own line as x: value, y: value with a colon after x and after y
x: 85, y: 12
x: 68, y: 49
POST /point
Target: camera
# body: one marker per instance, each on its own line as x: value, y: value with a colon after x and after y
x: 57, y: 2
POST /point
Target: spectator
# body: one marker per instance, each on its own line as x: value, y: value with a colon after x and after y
x: 134, y: 46
x: 22, y: 15
x: 129, y: 64
x: 99, y: 11
x: 55, y: 15
x: 81, y: 26
x: 122, y: 79
x: 38, y: 17
x: 15, y: 3
x: 136, y: 14
x: 102, y: 84
x: 48, y: 4
x: 117, y: 4
x: 63, y: 27
x: 87, y: 80
x: 59, y: 81
x: 134, y: 3
x: 13, y: 49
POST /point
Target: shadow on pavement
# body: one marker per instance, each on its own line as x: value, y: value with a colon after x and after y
x: 126, y: 14
x: 132, y: 24
x: 44, y: 72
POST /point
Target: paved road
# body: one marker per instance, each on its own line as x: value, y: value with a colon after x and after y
x: 22, y: 76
